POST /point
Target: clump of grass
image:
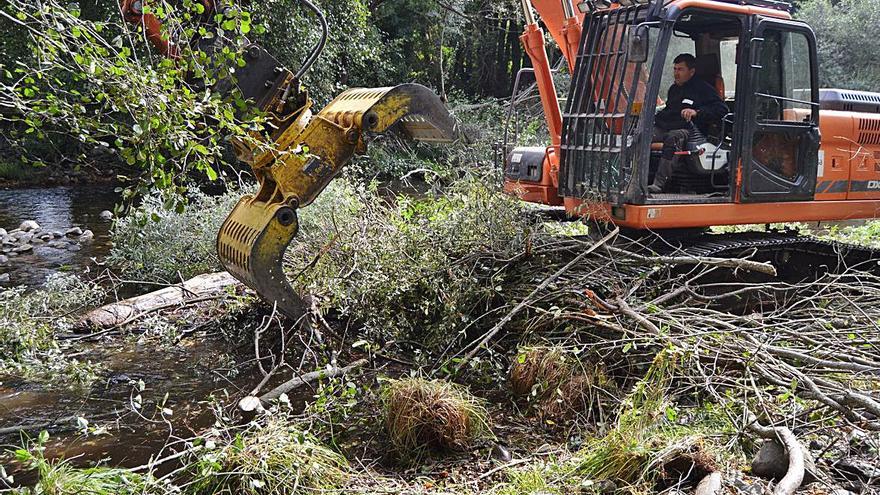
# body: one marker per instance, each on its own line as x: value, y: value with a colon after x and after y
x: 559, y: 386
x: 59, y: 477
x: 645, y: 444
x: 536, y: 369
x: 270, y: 458
x: 551, y: 477
x: 431, y: 416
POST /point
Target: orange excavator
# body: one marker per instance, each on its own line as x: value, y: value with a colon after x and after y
x: 763, y: 162
x: 787, y: 151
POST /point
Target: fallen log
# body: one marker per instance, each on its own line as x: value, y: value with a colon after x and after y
x: 123, y: 312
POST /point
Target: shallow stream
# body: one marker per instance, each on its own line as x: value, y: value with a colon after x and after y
x: 179, y: 377
x: 56, y: 209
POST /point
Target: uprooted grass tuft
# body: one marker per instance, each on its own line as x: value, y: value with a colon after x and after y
x: 270, y: 458
x: 645, y: 444
x: 430, y: 416
x: 537, y: 367
x: 560, y: 386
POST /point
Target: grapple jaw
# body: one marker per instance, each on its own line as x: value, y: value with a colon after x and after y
x: 252, y: 241
x: 251, y: 245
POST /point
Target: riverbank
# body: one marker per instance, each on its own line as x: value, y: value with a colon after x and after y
x: 456, y: 344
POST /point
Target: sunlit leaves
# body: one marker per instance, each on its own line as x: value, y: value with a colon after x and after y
x: 99, y: 83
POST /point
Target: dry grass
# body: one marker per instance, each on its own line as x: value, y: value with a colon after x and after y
x: 559, y: 386
x: 431, y: 416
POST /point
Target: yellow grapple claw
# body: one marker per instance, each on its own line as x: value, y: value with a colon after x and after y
x: 307, y: 156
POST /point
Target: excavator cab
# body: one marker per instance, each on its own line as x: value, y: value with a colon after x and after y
x: 763, y: 69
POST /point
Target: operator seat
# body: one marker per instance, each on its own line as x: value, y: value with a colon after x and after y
x: 708, y: 68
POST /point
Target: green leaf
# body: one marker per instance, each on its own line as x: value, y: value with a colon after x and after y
x: 212, y: 175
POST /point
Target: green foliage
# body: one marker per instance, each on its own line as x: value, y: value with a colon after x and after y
x: 89, y: 80
x: 541, y: 477
x: 470, y: 45
x: 867, y: 234
x: 353, y: 56
x: 271, y: 457
x: 849, y: 52
x: 160, y: 241
x: 29, y: 321
x: 58, y: 477
x: 15, y: 171
x: 392, y: 264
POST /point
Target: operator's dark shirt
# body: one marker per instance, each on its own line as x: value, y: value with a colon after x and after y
x: 696, y: 94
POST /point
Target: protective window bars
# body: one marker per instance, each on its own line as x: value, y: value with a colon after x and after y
x: 599, y: 121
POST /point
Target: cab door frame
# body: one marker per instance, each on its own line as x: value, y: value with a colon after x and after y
x: 757, y: 181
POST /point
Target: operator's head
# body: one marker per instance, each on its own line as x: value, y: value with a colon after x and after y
x: 683, y: 68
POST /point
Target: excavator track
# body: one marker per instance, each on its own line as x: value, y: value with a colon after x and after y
x: 796, y: 256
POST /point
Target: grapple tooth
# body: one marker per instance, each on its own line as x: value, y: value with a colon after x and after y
x: 251, y: 245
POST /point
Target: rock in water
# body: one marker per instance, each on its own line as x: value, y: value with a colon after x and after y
x: 73, y: 231
x: 772, y: 463
x: 4, y: 277
x: 3, y: 260
x: 3, y: 233
x: 29, y: 225
x: 23, y: 248
x: 106, y: 215
x: 87, y: 235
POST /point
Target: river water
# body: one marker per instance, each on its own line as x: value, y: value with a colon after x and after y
x: 178, y: 377
x: 56, y: 208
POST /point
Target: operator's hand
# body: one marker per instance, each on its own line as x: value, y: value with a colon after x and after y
x: 688, y: 114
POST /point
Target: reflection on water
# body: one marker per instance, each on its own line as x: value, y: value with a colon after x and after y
x: 57, y: 208
x: 180, y: 379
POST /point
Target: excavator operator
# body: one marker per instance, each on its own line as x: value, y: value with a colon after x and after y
x: 690, y: 101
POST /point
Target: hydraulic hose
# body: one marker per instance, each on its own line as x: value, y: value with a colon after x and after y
x: 316, y: 51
